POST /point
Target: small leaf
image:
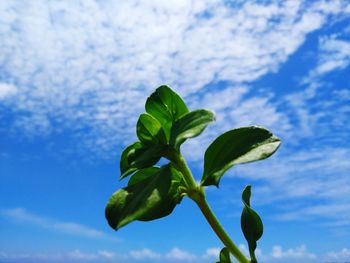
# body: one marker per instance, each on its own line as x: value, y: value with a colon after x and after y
x: 242, y: 145
x: 251, y: 224
x: 142, y: 174
x: 224, y: 256
x: 153, y: 197
x: 166, y: 106
x: 190, y: 125
x: 149, y: 130
x: 137, y: 156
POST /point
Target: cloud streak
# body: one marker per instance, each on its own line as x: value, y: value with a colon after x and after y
x: 334, y: 55
x: 22, y: 216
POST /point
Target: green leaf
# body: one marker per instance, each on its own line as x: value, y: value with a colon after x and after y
x: 151, y: 198
x: 190, y: 125
x: 224, y: 256
x: 251, y: 224
x: 166, y: 106
x: 142, y: 174
x: 242, y: 145
x: 149, y: 130
x: 137, y: 156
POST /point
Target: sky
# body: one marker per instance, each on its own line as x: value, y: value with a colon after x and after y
x: 74, y: 77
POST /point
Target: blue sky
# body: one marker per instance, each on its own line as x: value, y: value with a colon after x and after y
x: 74, y: 76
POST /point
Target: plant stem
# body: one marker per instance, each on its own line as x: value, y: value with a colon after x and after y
x: 219, y: 230
x: 180, y: 163
x: 196, y: 193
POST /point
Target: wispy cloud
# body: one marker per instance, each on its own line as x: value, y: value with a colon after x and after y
x: 21, y: 216
x: 314, y: 180
x: 7, y: 90
x: 89, y: 65
x: 234, y: 106
x: 334, y: 54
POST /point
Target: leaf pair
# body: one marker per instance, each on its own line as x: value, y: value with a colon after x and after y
x: 166, y: 107
x: 169, y: 120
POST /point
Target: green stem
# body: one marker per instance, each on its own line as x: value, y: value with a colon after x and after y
x: 180, y: 164
x: 197, y: 194
x: 219, y: 230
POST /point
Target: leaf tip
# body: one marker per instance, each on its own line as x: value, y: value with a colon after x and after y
x: 210, y: 181
x: 246, y: 195
x: 109, y: 217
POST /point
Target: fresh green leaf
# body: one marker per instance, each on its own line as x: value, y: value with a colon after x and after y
x: 166, y: 106
x: 190, y: 125
x: 142, y: 174
x: 149, y: 130
x: 251, y: 224
x: 242, y: 145
x: 137, y: 156
x: 125, y: 159
x: 153, y: 197
x: 224, y: 256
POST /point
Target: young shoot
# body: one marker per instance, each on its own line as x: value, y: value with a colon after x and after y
x: 153, y: 192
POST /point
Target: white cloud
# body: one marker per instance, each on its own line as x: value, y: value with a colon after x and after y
x: 78, y: 255
x: 144, y: 254
x: 7, y: 90
x: 102, y: 255
x: 212, y: 252
x: 334, y: 54
x: 338, y: 211
x: 233, y: 111
x: 175, y: 254
x: 317, y: 173
x: 90, y: 65
x: 342, y: 255
x: 77, y: 229
x: 278, y: 254
x: 180, y: 255
x: 297, y: 253
x: 21, y: 216
x: 106, y: 254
